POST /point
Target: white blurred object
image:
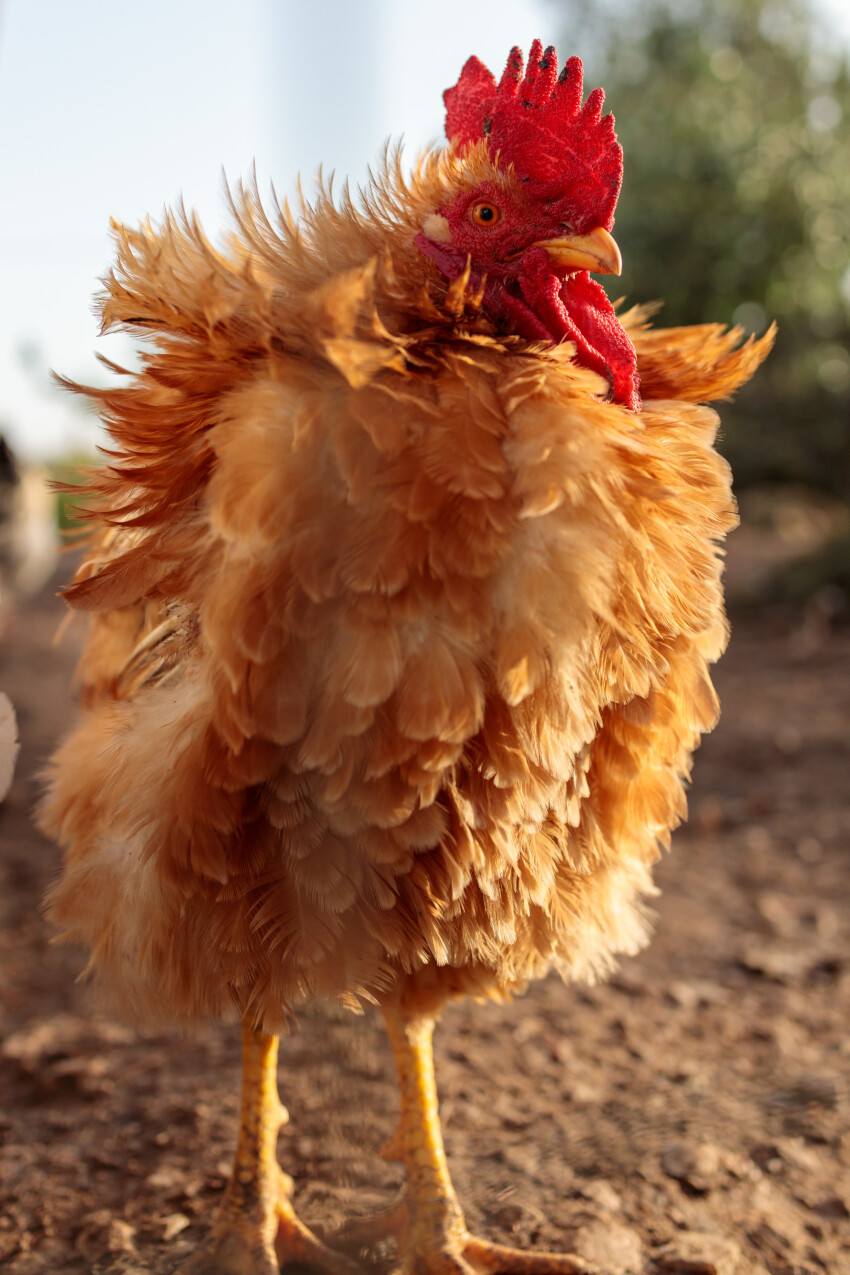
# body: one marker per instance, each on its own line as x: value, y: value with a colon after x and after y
x: 8, y: 744
x: 28, y: 533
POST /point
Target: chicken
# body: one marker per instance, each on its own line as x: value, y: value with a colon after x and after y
x: 26, y: 532
x: 402, y: 603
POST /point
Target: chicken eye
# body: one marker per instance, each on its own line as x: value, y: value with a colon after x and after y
x: 485, y: 214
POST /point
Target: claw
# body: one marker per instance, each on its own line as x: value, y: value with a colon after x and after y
x: 296, y: 1243
x: 428, y: 1221
x: 258, y: 1229
x: 498, y: 1259
x: 232, y: 1255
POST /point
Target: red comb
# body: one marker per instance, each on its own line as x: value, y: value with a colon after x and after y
x: 537, y: 123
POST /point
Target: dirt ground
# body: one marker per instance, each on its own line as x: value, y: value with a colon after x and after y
x: 692, y: 1116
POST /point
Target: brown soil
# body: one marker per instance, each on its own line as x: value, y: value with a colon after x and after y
x: 692, y: 1116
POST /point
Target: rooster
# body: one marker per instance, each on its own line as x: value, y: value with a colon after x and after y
x: 403, y: 587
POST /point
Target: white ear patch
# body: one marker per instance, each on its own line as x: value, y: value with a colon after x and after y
x: 436, y: 228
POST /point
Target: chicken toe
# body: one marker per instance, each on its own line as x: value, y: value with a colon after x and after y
x: 426, y: 1250
x: 257, y: 1231
x: 430, y: 1227
x: 233, y: 1254
x: 498, y: 1259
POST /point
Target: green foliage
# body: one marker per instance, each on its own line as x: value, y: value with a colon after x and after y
x: 735, y: 122
x: 74, y: 471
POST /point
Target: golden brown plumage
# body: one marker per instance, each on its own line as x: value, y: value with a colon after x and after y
x: 400, y: 633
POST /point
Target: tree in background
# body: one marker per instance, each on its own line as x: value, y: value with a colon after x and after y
x: 735, y: 121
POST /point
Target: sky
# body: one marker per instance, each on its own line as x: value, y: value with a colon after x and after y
x: 110, y: 108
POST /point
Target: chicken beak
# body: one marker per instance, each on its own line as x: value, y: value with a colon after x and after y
x: 596, y: 251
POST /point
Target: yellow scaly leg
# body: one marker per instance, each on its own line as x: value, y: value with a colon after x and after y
x: 257, y: 1229
x: 432, y: 1234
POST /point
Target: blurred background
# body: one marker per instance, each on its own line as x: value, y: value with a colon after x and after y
x: 734, y: 117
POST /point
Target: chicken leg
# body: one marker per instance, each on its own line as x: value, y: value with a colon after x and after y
x: 432, y: 1234
x: 257, y: 1229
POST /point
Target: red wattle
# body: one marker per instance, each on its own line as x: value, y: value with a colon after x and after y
x: 602, y: 337
x: 576, y: 309
x: 553, y: 309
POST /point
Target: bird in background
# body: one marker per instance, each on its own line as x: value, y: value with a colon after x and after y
x: 403, y: 586
x: 28, y: 531
x: 28, y: 539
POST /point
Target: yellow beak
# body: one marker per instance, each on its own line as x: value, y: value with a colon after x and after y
x: 596, y: 251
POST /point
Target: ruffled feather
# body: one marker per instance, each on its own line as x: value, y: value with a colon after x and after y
x: 399, y: 635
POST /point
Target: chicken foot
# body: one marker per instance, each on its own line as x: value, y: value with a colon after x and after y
x: 429, y: 1222
x: 257, y: 1229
